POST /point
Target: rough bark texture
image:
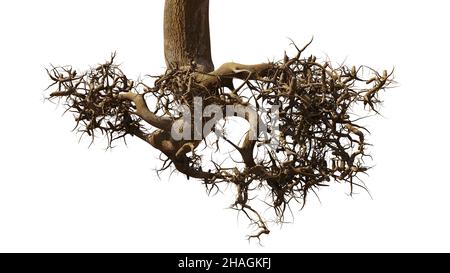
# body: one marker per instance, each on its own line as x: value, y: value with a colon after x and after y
x: 186, y: 34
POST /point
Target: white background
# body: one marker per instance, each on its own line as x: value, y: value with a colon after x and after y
x: 59, y: 195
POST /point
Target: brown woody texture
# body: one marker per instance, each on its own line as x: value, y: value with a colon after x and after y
x: 319, y: 138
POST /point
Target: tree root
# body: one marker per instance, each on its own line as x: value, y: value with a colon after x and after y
x: 317, y: 141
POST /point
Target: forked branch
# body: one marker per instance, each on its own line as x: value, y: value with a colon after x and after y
x: 318, y: 139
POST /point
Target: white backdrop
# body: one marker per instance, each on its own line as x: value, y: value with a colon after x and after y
x: 59, y: 195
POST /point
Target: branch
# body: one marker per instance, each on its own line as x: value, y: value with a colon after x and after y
x: 227, y: 71
x: 317, y: 140
x: 163, y: 123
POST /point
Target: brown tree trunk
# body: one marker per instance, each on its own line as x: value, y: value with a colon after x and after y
x: 186, y: 34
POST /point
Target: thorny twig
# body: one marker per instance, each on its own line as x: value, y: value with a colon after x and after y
x: 317, y: 139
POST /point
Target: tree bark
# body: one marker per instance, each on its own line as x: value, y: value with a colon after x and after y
x: 186, y: 34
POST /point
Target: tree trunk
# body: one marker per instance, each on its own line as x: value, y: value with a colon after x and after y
x: 186, y: 34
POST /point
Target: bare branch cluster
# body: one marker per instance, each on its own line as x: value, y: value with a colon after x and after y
x: 93, y: 99
x: 319, y: 138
